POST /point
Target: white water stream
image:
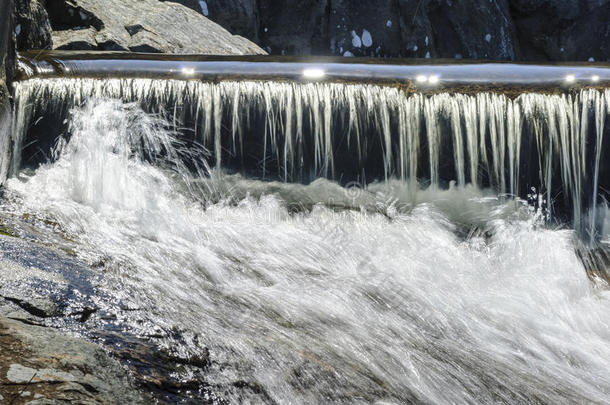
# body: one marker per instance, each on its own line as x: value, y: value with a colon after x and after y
x: 321, y: 294
x: 324, y: 130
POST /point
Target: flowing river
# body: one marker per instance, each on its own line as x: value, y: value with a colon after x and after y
x: 326, y: 242
x: 387, y: 294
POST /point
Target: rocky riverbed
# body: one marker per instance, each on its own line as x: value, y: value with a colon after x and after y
x: 61, y: 340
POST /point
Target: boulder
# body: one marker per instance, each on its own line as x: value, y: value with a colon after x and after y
x: 140, y: 26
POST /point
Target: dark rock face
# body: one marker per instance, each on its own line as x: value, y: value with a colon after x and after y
x: 482, y: 29
x: 536, y: 30
x: 143, y: 26
x: 240, y: 17
x: 5, y: 71
x: 32, y: 28
x: 5, y: 24
x: 478, y: 29
x: 365, y: 28
x: 295, y: 27
x: 563, y: 30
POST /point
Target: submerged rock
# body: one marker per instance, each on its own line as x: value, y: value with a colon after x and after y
x: 143, y: 26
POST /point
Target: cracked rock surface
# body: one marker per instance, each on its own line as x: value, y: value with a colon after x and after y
x: 140, y: 26
x: 42, y: 366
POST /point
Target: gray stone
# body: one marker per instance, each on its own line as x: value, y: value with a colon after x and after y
x: 75, y: 39
x: 24, y: 375
x: 53, y: 366
x: 192, y: 4
x: 142, y: 26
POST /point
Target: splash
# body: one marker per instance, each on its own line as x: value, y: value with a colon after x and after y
x: 323, y: 293
x: 366, y: 133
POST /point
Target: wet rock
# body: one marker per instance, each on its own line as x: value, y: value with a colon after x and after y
x: 5, y: 71
x: 54, y: 367
x: 5, y: 123
x: 161, y: 27
x: 5, y: 24
x: 38, y: 307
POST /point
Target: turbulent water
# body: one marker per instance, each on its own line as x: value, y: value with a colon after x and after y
x: 364, y: 133
x: 389, y: 294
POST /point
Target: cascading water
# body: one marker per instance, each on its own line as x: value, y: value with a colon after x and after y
x: 322, y: 294
x: 336, y: 243
x: 365, y: 133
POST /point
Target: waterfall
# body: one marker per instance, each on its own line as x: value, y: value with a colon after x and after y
x: 297, y: 132
x: 317, y: 293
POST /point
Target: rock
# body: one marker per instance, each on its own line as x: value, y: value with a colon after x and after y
x: 75, y: 39
x: 587, y: 38
x: 365, y: 28
x: 37, y: 306
x: 533, y: 30
x: 195, y: 5
x: 5, y: 71
x: 238, y: 16
x: 31, y: 27
x: 52, y: 366
x: 5, y: 25
x: 5, y: 124
x: 478, y: 29
x: 563, y: 30
x: 142, y: 26
x: 294, y: 27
